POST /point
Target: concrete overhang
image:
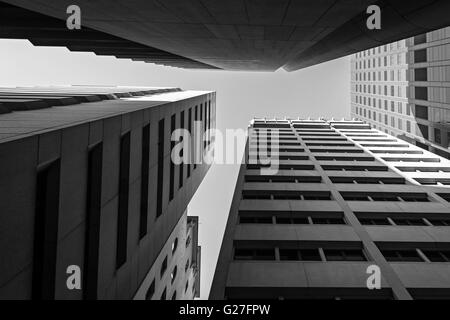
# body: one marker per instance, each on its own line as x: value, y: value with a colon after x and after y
x: 256, y: 35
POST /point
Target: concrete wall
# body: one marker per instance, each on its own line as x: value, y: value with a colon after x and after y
x: 21, y: 156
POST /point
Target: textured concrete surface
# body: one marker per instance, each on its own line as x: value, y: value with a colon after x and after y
x: 252, y: 34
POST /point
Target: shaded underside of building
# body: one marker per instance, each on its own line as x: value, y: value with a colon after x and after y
x: 214, y: 34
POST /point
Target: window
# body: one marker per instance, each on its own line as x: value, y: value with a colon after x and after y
x: 421, y: 74
x: 421, y: 112
x: 164, y: 295
x: 254, y: 254
x: 124, y: 185
x: 402, y: 255
x: 93, y: 205
x: 195, y: 147
x: 182, y: 165
x: 46, y: 231
x: 285, y: 195
x: 423, y: 130
x: 374, y: 221
x: 150, y: 291
x: 290, y: 220
x: 172, y: 165
x: 420, y: 39
x: 437, y: 255
x: 174, y: 295
x: 174, y: 245
x: 173, y: 275
x: 437, y: 136
x: 380, y: 196
x: 335, y: 221
x: 445, y: 196
x: 255, y: 220
x: 344, y: 255
x: 300, y: 255
x: 186, y: 267
x: 421, y: 93
x: 188, y: 241
x: 163, y: 267
x: 409, y: 222
x: 420, y: 56
x: 159, y: 188
x: 191, y: 133
x: 145, y: 176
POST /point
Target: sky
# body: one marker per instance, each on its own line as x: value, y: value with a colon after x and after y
x: 318, y: 91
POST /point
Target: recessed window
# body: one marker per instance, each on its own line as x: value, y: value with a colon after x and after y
x: 291, y: 220
x: 421, y: 93
x: 173, y: 275
x: 374, y: 221
x: 254, y: 254
x: 336, y: 221
x: 188, y: 241
x: 164, y: 295
x: 255, y: 220
x: 174, y: 245
x: 421, y: 74
x: 299, y: 255
x: 344, y: 255
x: 405, y: 255
x: 163, y: 267
x: 420, y: 56
x: 437, y: 255
x: 150, y: 291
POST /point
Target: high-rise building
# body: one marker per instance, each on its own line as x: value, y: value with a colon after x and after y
x: 346, y: 202
x: 403, y: 89
x: 257, y: 35
x: 88, y: 187
x: 175, y: 274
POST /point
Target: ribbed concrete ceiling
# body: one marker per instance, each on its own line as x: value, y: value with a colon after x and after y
x: 255, y: 35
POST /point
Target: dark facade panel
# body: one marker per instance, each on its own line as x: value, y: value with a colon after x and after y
x: 236, y: 35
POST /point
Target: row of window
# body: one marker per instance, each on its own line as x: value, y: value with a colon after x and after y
x: 369, y: 219
x: 382, y: 49
x: 294, y: 254
x: 264, y: 218
x: 391, y: 75
x: 387, y: 105
x: 324, y: 167
x: 318, y: 179
x: 151, y: 290
x: 401, y: 220
x: 326, y: 195
x: 280, y: 253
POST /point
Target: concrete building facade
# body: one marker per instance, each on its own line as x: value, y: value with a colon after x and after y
x: 346, y: 198
x: 87, y: 180
x: 403, y: 89
x: 254, y: 35
x: 175, y: 275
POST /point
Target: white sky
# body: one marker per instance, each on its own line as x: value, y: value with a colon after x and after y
x: 322, y: 90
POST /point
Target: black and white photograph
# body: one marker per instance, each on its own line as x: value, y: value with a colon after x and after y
x: 229, y: 156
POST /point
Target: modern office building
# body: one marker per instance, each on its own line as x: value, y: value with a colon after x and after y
x: 87, y: 182
x: 258, y: 35
x: 403, y: 89
x: 175, y: 274
x: 346, y: 197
